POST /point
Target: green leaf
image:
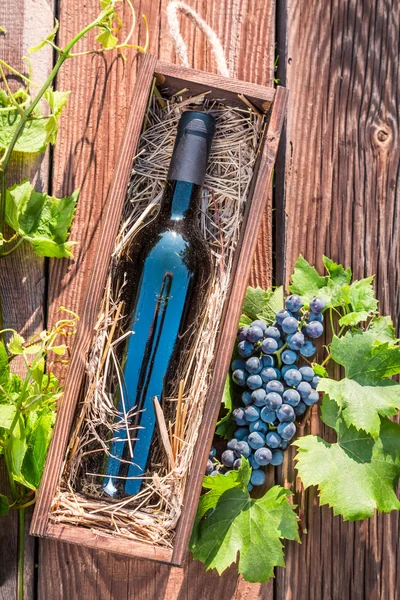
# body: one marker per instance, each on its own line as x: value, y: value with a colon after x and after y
x: 38, y: 444
x: 7, y: 414
x: 4, y: 505
x: 49, y: 38
x: 107, y: 39
x: 230, y: 523
x: 335, y: 289
x: 353, y: 318
x: 358, y: 474
x: 225, y: 426
x: 4, y: 366
x: 244, y: 320
x: 261, y: 304
x: 57, y: 101
x: 365, y: 393
x: 42, y: 220
x: 383, y: 330
x: 319, y: 370
x: 60, y: 350
x: 18, y: 449
x: 33, y: 136
x: 15, y: 345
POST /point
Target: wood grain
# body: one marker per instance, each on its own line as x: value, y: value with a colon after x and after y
x: 339, y: 196
x: 22, y: 274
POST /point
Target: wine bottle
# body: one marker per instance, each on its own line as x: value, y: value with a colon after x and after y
x: 166, y: 275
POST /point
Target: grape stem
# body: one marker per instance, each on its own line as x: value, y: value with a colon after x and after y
x: 278, y: 354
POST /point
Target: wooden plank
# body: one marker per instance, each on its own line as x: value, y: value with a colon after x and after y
x: 22, y: 274
x: 340, y: 197
x: 77, y: 161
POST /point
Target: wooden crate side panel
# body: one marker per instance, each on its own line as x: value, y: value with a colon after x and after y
x: 95, y: 292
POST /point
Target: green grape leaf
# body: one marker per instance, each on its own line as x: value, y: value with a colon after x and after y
x: 261, y: 304
x: 4, y: 505
x: 38, y: 442
x: 230, y: 523
x: 365, y: 393
x: 49, y: 38
x: 358, y: 474
x: 335, y: 289
x: 353, y: 318
x: 382, y: 328
x: 42, y: 220
x: 4, y: 367
x: 15, y: 345
x: 244, y: 320
x: 107, y: 39
x: 57, y: 101
x: 33, y: 136
x: 319, y: 370
x: 226, y: 426
x: 7, y: 414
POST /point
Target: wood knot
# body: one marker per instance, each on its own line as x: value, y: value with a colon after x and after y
x: 382, y: 135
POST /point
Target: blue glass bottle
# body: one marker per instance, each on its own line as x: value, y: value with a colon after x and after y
x: 167, y: 273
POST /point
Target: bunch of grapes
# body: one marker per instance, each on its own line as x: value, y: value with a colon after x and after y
x: 276, y: 391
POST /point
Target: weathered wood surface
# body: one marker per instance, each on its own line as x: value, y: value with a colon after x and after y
x: 22, y: 274
x: 336, y: 193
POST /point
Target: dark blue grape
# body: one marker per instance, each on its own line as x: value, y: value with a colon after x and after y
x: 275, y: 386
x: 268, y: 415
x: 274, y: 401
x: 295, y: 341
x: 213, y: 452
x: 209, y: 467
x: 269, y: 346
x: 277, y: 458
x: 286, y: 430
x: 259, y: 397
x: 239, y: 416
x: 241, y: 433
x: 273, y: 332
x: 290, y: 325
x: 278, y: 373
x: 291, y: 397
x: 286, y: 368
x: 316, y: 317
x: 245, y: 349
x: 259, y: 323
x: 315, y: 381
x: 289, y: 357
x: 239, y: 377
x: 284, y: 445
x: 214, y: 473
x: 231, y: 445
x: 293, y: 303
x: 253, y: 365
x: 246, y: 397
x: 242, y: 333
x: 243, y: 449
x: 259, y: 426
x: 285, y: 413
x: 304, y: 389
x: 281, y: 315
x: 307, y: 373
x: 254, y: 382
x: 263, y: 456
x: 256, y: 440
x: 268, y: 374
x: 317, y: 305
x: 251, y: 413
x: 314, y: 329
x: 273, y: 439
x: 292, y: 377
x: 257, y: 477
x: 238, y: 363
x: 312, y: 398
x: 267, y: 361
x: 300, y: 409
x: 308, y: 349
x: 252, y: 462
x: 237, y: 463
x: 228, y: 458
x: 254, y: 334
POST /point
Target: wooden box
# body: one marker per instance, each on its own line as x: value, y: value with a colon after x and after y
x: 268, y: 100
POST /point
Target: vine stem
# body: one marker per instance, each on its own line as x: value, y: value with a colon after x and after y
x: 64, y: 55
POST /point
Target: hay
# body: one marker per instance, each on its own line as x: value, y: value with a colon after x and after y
x: 152, y: 514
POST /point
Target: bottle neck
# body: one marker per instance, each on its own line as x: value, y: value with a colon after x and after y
x: 181, y: 200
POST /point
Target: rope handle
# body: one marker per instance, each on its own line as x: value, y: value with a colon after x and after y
x: 173, y: 9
